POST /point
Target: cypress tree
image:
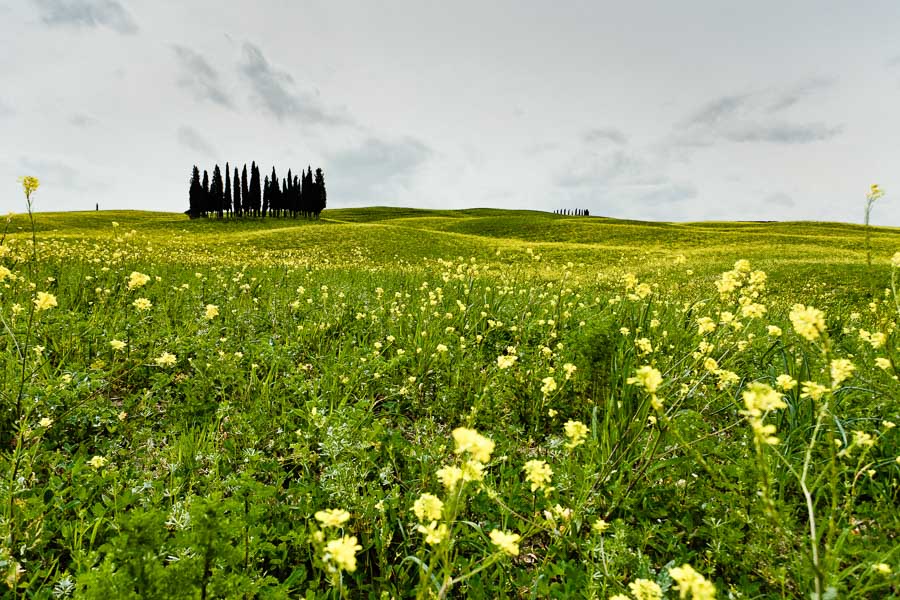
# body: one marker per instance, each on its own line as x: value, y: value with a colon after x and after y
x: 295, y: 206
x: 320, y: 192
x: 267, y: 196
x: 307, y: 191
x: 236, y: 207
x: 245, y: 191
x: 274, y: 192
x: 195, y: 195
x: 217, y: 192
x: 255, y: 191
x: 205, y: 204
x: 226, y: 204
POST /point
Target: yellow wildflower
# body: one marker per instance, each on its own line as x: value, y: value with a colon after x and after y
x: 874, y: 192
x: 98, y: 462
x: 774, y: 330
x: 538, y: 473
x: 726, y: 378
x: 882, y: 363
x: 644, y: 345
x: 600, y: 526
x: 753, y: 310
x: 576, y: 431
x: 434, y: 533
x: 644, y: 589
x: 136, y: 280
x: 705, y: 325
x: 332, y: 517
x: 841, y: 369
x: 29, y: 185
x: 882, y: 568
x: 647, y: 377
x: 691, y: 582
x: 46, y: 422
x: 472, y: 470
x: 450, y: 476
x: 759, y: 398
x: 508, y: 542
x: 549, y: 385
x: 211, y: 312
x: 117, y: 345
x: 44, y: 301
x: 809, y: 322
x: 764, y: 432
x: 861, y: 438
x: 469, y: 440
x: 142, y: 304
x: 342, y: 552
x: 785, y: 382
x: 166, y: 359
x: 428, y: 507
x: 505, y: 362
x: 813, y: 390
x: 570, y: 369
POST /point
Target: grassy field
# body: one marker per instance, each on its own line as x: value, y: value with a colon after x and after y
x: 404, y: 403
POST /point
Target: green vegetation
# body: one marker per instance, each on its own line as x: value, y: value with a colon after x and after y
x: 401, y: 403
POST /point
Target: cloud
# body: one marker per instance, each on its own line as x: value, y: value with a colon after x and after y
x: 665, y: 193
x: 82, y: 120
x: 191, y: 139
x: 5, y: 109
x: 274, y: 89
x: 754, y: 117
x: 784, y: 133
x: 620, y: 178
x: 604, y: 134
x: 792, y: 96
x: 376, y: 169
x: 600, y: 169
x: 87, y: 13
x: 779, y: 199
x: 54, y: 173
x: 718, y: 111
x: 200, y: 78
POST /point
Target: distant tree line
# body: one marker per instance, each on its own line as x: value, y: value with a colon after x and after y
x: 243, y: 196
x: 577, y: 212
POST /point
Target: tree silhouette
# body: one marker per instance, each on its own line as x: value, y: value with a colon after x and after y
x: 205, y: 204
x: 255, y: 191
x: 226, y: 202
x: 245, y: 191
x: 243, y: 194
x: 236, y: 205
x: 195, y: 195
x: 274, y: 192
x: 295, y: 197
x: 320, y: 199
x: 217, y: 192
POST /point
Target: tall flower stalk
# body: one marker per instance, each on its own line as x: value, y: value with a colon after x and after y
x: 873, y: 194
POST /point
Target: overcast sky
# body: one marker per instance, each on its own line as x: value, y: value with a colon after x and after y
x: 691, y: 110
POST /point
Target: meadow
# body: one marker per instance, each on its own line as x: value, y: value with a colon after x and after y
x: 401, y: 403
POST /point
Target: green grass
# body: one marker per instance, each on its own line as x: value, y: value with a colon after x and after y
x: 342, y: 354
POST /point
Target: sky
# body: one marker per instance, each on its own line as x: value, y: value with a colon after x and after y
x: 653, y: 110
